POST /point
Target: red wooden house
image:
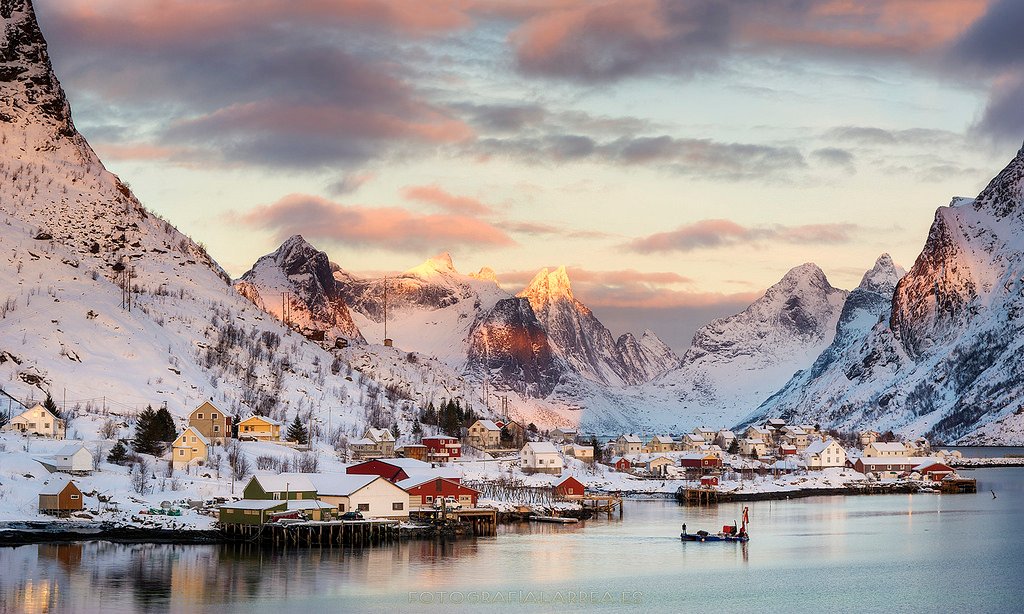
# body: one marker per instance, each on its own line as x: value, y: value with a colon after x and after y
x: 423, y: 492
x: 398, y: 469
x: 699, y: 461
x: 934, y: 471
x: 442, y: 448
x: 622, y: 464
x: 709, y: 480
x: 570, y: 487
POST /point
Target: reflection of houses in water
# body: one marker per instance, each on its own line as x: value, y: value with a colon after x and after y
x: 32, y: 595
x: 191, y: 580
x: 68, y: 555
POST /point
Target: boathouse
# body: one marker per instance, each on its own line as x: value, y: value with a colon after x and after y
x: 60, y: 497
x: 569, y: 486
x: 283, y: 486
x: 423, y: 492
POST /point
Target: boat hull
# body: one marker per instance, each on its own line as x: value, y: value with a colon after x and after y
x: 693, y: 537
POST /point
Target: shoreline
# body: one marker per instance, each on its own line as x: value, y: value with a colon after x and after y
x: 39, y: 532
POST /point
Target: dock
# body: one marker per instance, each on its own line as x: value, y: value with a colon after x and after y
x: 483, y: 520
x: 959, y: 486
x: 328, y: 533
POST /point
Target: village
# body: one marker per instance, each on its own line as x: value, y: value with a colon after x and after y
x: 254, y: 478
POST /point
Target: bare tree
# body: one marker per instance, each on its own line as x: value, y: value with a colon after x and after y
x: 141, y: 475
x: 109, y: 429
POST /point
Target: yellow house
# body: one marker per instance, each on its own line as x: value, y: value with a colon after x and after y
x: 212, y: 422
x: 259, y: 428
x: 190, y: 448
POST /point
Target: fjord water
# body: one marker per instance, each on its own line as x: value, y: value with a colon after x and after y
x: 891, y: 553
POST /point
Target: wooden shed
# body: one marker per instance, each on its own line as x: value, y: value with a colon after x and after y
x: 60, y: 497
x: 570, y: 487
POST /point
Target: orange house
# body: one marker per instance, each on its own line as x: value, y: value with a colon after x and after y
x: 259, y: 428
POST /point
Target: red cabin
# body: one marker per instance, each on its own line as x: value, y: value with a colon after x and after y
x: 424, y: 492
x: 699, y: 461
x: 935, y: 471
x: 709, y: 480
x: 397, y: 469
x: 570, y: 487
x: 442, y: 448
x: 622, y: 464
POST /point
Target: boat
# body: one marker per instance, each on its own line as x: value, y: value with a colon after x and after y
x: 729, y: 533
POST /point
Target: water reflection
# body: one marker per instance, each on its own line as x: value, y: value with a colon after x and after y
x: 842, y: 553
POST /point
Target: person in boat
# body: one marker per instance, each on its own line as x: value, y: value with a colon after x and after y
x: 684, y: 528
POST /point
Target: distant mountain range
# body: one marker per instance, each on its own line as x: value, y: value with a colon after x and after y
x: 934, y: 351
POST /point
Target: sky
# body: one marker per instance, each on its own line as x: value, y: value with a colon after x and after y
x: 677, y: 157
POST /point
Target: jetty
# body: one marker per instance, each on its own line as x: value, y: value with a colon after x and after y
x: 554, y: 519
x: 315, y: 533
x: 482, y: 520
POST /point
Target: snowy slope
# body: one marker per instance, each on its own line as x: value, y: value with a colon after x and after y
x: 948, y: 362
x: 70, y: 232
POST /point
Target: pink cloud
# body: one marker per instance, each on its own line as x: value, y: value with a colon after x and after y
x: 435, y: 195
x: 390, y: 228
x: 724, y: 233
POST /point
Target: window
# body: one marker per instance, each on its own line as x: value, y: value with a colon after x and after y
x: 363, y: 507
x: 216, y: 428
x: 397, y: 507
x: 341, y: 507
x: 193, y: 439
x: 181, y: 453
x: 199, y: 416
x: 430, y: 499
x: 277, y: 496
x: 298, y: 496
x: 74, y: 497
x: 46, y: 426
x: 213, y: 416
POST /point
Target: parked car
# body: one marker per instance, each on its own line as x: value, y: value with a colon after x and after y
x: 449, y: 502
x: 353, y: 515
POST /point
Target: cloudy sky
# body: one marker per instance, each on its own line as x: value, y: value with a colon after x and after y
x: 678, y: 157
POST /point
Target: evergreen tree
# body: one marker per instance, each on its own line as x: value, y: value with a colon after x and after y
x: 297, y: 432
x: 417, y: 430
x: 734, y: 447
x: 51, y: 406
x: 5, y: 417
x: 163, y: 426
x: 598, y: 451
x: 118, y: 454
x: 147, y: 433
x: 430, y: 414
x: 395, y: 431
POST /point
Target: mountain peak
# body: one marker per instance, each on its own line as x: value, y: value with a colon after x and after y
x: 485, y: 274
x: 1005, y: 193
x: 882, y: 277
x: 441, y: 263
x: 547, y: 286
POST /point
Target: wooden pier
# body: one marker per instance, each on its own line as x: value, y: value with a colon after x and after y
x: 483, y: 520
x: 700, y: 496
x: 313, y: 534
x: 958, y: 486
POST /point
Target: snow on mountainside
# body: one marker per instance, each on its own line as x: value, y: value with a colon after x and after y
x: 296, y: 283
x: 948, y: 362
x: 72, y: 232
x: 580, y: 339
x: 735, y: 363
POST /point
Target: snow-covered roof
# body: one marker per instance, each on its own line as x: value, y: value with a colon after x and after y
x: 759, y: 430
x: 754, y: 442
x: 416, y: 480
x: 406, y: 463
x: 309, y: 504
x: 379, y: 434
x: 197, y: 434
x: 818, y: 446
x: 630, y: 438
x: 70, y: 449
x: 726, y: 434
x: 889, y: 447
x: 280, y: 482
x: 893, y: 460
x: 338, y: 484
x: 693, y: 438
x: 362, y: 442
x: 252, y: 504
x: 262, y: 419
x: 55, y: 486
x: 489, y: 425
x: 663, y: 439
x: 541, y: 447
x: 796, y: 431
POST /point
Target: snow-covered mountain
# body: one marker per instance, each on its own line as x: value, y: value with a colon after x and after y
x: 296, y: 283
x: 734, y: 363
x: 109, y: 306
x: 948, y: 361
x: 578, y: 337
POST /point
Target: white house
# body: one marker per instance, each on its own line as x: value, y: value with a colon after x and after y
x: 583, y: 453
x: 72, y: 458
x: 541, y: 457
x: 564, y: 434
x: 661, y: 443
x: 628, y: 444
x: 484, y: 434
x: 878, y: 449
x: 372, y: 495
x: 37, y: 420
x: 725, y: 438
x: 759, y: 432
x: 692, y: 442
x: 821, y: 454
x: 753, y: 447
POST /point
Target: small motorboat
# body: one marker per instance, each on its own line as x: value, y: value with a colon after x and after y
x: 729, y: 533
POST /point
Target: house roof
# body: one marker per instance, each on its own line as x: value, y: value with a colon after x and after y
x: 70, y: 449
x: 889, y: 447
x: 616, y: 459
x: 760, y: 430
x: 541, y: 447
x: 225, y: 412
x: 280, y: 482
x: 339, y: 484
x: 419, y: 479
x: 893, y: 460
x: 726, y: 433
x: 818, y: 446
x: 663, y: 439
x: 379, y: 434
x: 309, y: 504
x: 195, y: 432
x: 363, y: 441
x: 489, y: 425
x: 252, y: 504
x: 406, y: 463
x: 55, y: 486
x: 630, y: 438
x: 566, y: 479
x: 694, y: 438
x: 261, y: 419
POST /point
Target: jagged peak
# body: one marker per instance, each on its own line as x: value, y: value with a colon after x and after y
x: 441, y: 263
x: 806, y: 277
x: 294, y: 243
x: 882, y: 277
x: 1005, y: 193
x: 549, y: 285
x: 485, y: 274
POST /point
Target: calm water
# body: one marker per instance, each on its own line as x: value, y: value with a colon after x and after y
x: 901, y: 553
